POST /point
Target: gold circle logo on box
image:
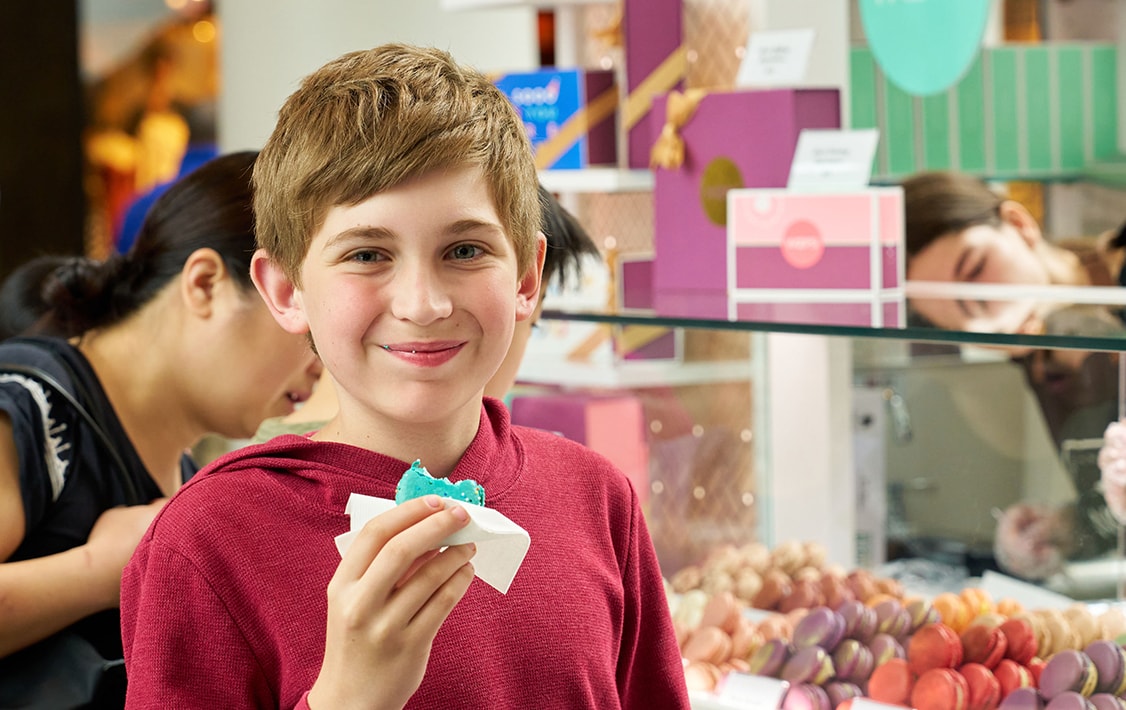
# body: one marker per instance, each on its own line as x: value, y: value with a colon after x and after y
x: 721, y: 175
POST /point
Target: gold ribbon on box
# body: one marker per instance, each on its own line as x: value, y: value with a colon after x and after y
x: 577, y: 126
x: 668, y: 149
x: 659, y: 81
x: 611, y: 34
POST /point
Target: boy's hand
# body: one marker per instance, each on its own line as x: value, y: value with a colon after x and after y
x: 114, y: 537
x: 389, y: 596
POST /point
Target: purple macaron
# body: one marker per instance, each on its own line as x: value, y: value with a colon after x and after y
x: 1068, y: 671
x: 769, y: 658
x: 1110, y: 665
x: 811, y: 664
x: 1069, y: 700
x: 1106, y: 701
x: 806, y: 696
x: 1023, y: 699
x: 820, y: 627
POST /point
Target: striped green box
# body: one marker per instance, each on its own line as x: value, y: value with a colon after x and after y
x: 1030, y: 111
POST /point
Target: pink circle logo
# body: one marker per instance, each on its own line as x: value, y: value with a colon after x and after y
x: 802, y: 246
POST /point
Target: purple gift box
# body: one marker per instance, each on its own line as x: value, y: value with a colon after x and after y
x: 655, y: 62
x: 734, y: 139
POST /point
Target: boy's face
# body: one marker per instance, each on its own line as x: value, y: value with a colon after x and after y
x: 411, y: 297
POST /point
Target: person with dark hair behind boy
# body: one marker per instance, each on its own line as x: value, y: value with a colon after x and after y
x: 148, y: 352
x: 399, y: 227
x: 21, y: 295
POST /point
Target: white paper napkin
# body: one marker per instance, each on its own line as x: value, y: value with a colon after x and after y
x: 501, y: 543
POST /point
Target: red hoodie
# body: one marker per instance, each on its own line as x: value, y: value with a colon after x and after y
x: 223, y: 604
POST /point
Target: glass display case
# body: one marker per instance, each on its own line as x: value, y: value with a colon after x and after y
x: 940, y: 454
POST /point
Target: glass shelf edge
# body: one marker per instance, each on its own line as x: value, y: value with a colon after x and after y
x: 915, y: 334
x: 597, y: 180
x: 635, y: 373
x: 457, y: 5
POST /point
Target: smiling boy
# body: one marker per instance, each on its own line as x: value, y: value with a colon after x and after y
x: 397, y: 214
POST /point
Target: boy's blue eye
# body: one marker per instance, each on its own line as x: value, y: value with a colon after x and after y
x: 365, y: 257
x: 465, y: 251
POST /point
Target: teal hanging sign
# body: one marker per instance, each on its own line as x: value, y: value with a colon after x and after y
x: 924, y: 46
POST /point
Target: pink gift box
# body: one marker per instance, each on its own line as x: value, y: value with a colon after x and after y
x: 612, y: 425
x: 824, y: 258
x: 736, y: 139
x: 655, y: 62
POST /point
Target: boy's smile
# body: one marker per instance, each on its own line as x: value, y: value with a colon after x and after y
x: 411, y: 297
x: 425, y: 354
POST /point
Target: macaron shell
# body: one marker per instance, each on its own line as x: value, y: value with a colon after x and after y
x: 934, y: 646
x: 1068, y: 671
x: 811, y: 664
x: 860, y: 620
x: 940, y: 689
x: 1012, y: 676
x: 806, y: 696
x: 891, y: 682
x: 839, y: 692
x: 983, y: 644
x: 985, y: 689
x: 769, y: 659
x: 707, y: 643
x: 1021, y: 646
x: 1106, y: 701
x: 1069, y: 700
x: 1110, y: 666
x: 820, y: 627
x: 853, y: 661
x: 884, y: 648
x: 1025, y: 698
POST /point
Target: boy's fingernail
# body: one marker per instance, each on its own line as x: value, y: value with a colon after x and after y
x: 460, y: 513
x: 472, y: 548
x: 433, y: 501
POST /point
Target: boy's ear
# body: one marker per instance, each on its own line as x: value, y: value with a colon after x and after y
x: 277, y: 290
x: 1017, y: 215
x: 203, y: 270
x: 528, y: 290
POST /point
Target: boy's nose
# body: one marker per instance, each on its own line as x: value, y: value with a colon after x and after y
x: 420, y: 296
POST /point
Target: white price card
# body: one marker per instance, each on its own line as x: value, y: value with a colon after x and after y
x: 833, y: 160
x: 866, y: 704
x: 752, y: 692
x: 775, y: 58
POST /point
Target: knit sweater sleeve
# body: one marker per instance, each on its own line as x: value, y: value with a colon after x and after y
x: 650, y: 672
x: 182, y: 648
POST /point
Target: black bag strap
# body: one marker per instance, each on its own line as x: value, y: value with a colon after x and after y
x: 132, y: 496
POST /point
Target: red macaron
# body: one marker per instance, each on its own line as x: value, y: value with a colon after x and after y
x: 891, y: 682
x: 984, y: 644
x: 985, y: 689
x: 934, y: 646
x: 940, y: 689
x: 1012, y: 675
x: 1021, y: 640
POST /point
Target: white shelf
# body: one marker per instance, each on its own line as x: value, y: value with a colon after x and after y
x: 628, y: 374
x: 597, y: 180
x: 455, y: 5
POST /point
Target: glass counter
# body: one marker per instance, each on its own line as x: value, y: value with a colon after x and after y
x: 904, y: 448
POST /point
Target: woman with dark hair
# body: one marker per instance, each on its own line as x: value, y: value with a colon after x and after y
x: 960, y: 230
x: 131, y: 360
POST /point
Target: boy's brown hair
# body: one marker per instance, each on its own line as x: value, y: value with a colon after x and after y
x: 374, y: 119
